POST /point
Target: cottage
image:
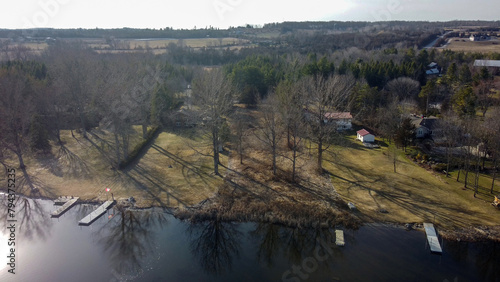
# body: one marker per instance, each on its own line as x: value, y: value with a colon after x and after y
x: 424, y: 127
x: 365, y: 136
x: 343, y: 121
x: 183, y: 118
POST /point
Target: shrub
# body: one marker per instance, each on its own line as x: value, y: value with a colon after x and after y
x: 439, y: 167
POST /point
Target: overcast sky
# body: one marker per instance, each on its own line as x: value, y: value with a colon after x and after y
x: 225, y: 13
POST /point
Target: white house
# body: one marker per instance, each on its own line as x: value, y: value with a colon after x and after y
x: 342, y: 120
x: 365, y: 136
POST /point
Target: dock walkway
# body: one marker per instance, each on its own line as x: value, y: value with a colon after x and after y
x: 66, y: 206
x: 432, y: 238
x: 96, y: 213
x: 339, y: 241
x: 62, y: 200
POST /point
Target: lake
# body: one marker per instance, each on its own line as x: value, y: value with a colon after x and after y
x: 152, y: 245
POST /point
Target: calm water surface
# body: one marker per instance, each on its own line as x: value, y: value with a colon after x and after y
x: 152, y: 245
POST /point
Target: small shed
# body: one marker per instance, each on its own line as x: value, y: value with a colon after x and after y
x: 365, y: 136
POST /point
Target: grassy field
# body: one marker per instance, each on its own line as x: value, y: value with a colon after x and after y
x: 158, y: 46
x: 174, y: 172
x: 366, y: 178
x: 465, y: 45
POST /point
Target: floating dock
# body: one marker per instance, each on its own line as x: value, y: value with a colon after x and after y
x: 66, y: 206
x: 62, y: 200
x: 432, y: 238
x: 339, y: 241
x: 96, y: 213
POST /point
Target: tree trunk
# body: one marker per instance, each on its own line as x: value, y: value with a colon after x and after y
x: 476, y: 180
x: 447, y: 161
x: 294, y: 158
x: 494, y: 176
x: 394, y: 162
x: 216, y: 150
x: 466, y: 175
x: 458, y: 175
x: 240, y: 147
x: 23, y: 169
x: 288, y: 135
x: 320, y: 155
x: 82, y: 121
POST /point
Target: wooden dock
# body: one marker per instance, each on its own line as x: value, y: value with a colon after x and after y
x: 96, y: 213
x: 62, y: 200
x: 432, y: 238
x: 66, y: 206
x: 339, y: 241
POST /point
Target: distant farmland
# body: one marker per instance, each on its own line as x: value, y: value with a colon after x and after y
x: 158, y: 46
x: 465, y: 45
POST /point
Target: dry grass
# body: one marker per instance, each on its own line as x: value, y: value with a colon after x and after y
x: 465, y: 45
x: 413, y: 194
x: 174, y: 172
x: 252, y: 192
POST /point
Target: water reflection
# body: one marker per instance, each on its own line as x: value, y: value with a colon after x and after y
x: 488, y: 261
x: 128, y: 240
x: 296, y: 245
x: 215, y: 243
x: 32, y: 218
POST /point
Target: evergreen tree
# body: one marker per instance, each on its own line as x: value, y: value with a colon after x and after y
x: 38, y: 136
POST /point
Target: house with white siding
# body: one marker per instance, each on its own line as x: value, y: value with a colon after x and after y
x: 364, y: 136
x: 343, y: 120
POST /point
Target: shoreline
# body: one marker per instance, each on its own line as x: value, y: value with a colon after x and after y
x: 203, y: 212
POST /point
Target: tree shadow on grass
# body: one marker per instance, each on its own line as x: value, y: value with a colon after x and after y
x: 419, y: 205
x: 186, y: 165
x: 143, y: 179
x: 68, y: 163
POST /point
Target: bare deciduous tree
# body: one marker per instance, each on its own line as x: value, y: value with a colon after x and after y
x: 403, y: 88
x: 292, y: 104
x: 448, y: 134
x: 271, y: 127
x: 17, y: 107
x: 213, y: 92
x: 72, y: 68
x: 324, y: 95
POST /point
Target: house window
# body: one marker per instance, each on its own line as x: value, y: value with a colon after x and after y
x: 177, y: 124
